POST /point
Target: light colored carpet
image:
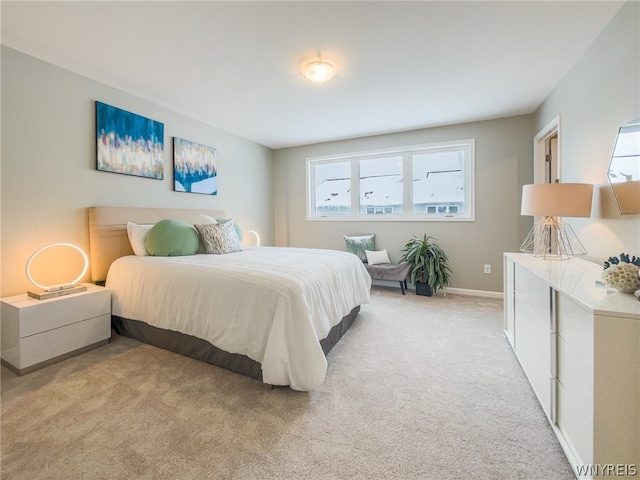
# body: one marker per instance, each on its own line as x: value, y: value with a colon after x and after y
x: 418, y: 388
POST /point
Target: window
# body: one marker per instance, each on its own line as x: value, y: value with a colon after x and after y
x: 332, y: 183
x: 381, y: 185
x: 372, y: 186
x: 438, y: 182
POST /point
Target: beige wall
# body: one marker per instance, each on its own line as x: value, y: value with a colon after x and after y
x: 601, y: 92
x: 503, y: 163
x: 48, y: 164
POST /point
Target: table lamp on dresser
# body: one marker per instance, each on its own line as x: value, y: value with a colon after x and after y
x: 550, y: 237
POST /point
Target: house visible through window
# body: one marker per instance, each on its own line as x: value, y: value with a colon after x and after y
x: 372, y: 186
x: 332, y: 182
x: 381, y: 185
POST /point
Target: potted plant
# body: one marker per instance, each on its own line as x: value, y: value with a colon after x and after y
x: 429, y: 266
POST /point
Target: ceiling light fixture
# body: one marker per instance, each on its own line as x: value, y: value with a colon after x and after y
x: 318, y: 71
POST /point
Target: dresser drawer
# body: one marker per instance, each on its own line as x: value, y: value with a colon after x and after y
x: 575, y: 325
x: 576, y: 429
x: 575, y: 374
x: 534, y: 333
x: 537, y: 371
x: 533, y: 292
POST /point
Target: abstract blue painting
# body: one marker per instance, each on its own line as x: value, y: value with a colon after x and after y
x: 194, y: 167
x: 128, y: 143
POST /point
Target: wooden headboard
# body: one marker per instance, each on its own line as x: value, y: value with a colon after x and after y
x: 108, y: 231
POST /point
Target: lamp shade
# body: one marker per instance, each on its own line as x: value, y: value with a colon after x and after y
x: 557, y: 199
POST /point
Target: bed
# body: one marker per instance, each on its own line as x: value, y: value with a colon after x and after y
x: 267, y: 312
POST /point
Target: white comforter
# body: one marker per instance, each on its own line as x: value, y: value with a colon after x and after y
x: 272, y: 304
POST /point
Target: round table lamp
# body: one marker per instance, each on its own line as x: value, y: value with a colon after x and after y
x: 255, y: 234
x: 66, y: 288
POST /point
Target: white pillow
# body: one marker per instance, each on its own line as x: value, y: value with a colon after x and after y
x: 137, y: 235
x: 377, y: 257
x: 207, y: 220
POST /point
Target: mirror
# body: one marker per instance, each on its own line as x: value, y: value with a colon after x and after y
x: 624, y: 168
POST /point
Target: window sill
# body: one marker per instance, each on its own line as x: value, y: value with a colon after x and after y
x: 390, y: 218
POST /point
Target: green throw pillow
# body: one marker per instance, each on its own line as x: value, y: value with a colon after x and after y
x: 171, y: 238
x: 358, y: 244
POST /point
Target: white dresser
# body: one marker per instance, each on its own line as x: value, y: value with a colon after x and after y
x: 36, y: 333
x: 579, y: 346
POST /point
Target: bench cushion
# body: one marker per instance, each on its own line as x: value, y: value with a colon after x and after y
x: 389, y: 271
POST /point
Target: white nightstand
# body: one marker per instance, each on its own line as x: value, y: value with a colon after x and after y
x: 37, y: 333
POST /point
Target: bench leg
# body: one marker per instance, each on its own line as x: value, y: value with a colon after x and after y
x: 402, y: 286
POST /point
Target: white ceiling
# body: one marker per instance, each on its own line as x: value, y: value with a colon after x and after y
x: 236, y: 65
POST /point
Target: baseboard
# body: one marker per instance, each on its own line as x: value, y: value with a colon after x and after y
x: 474, y: 293
x: 454, y: 291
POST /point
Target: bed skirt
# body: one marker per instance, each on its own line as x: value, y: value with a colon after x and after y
x: 202, y: 350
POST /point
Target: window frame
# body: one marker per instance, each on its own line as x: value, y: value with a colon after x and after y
x: 407, y: 153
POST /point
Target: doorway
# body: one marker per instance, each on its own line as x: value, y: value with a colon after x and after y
x: 546, y: 153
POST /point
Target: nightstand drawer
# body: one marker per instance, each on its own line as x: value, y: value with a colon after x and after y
x: 54, y: 343
x: 37, y: 316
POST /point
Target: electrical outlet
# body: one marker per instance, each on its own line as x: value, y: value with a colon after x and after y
x: 487, y: 268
